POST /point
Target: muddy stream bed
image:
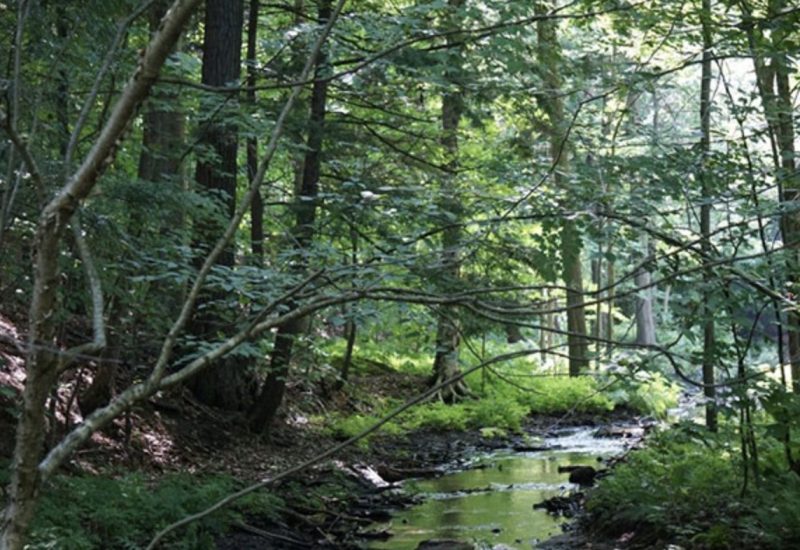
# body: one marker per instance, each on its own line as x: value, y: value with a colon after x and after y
x: 490, y: 502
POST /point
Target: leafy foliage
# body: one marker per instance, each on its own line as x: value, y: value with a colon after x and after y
x: 87, y: 512
x: 687, y: 486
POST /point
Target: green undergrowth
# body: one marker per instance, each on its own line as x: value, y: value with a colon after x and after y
x: 497, y: 406
x: 88, y: 512
x: 645, y: 392
x: 687, y: 487
x: 503, y: 396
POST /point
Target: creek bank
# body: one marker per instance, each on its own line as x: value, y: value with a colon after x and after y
x: 357, y: 501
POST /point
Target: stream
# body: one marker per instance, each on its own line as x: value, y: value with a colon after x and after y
x: 490, y: 504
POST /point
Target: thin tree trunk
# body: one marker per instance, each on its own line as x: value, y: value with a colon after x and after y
x: 645, y: 316
x: 347, y: 361
x: 257, y: 208
x: 645, y: 319
x: 778, y: 114
x: 709, y: 353
x: 448, y: 332
x: 611, y: 280
x: 549, y: 53
x: 305, y: 208
x: 789, y: 180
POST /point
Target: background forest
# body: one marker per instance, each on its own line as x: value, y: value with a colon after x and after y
x: 526, y: 207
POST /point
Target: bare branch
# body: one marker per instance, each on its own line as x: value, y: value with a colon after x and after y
x: 98, y: 342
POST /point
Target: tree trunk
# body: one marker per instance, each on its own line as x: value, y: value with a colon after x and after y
x: 778, y: 114
x: 645, y: 319
x: 645, y: 315
x: 347, y: 361
x: 548, y: 327
x: 228, y: 383
x: 163, y: 128
x: 709, y: 343
x: 549, y: 53
x: 257, y: 208
x: 269, y: 400
x: 789, y: 179
x: 611, y: 280
x: 448, y: 332
x: 163, y: 133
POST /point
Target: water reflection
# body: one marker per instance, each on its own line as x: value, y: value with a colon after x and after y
x: 493, y: 504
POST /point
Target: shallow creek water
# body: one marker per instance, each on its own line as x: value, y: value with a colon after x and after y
x: 492, y: 504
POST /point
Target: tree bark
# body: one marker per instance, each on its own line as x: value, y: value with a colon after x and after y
x: 230, y: 383
x: 779, y: 117
x: 448, y: 332
x: 709, y: 338
x: 549, y: 54
x: 159, y: 161
x: 645, y: 319
x: 789, y: 181
x: 163, y: 128
x: 270, y: 398
x: 257, y: 208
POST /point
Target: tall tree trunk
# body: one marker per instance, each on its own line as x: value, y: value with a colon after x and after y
x: 163, y: 123
x: 546, y: 332
x: 229, y: 383
x: 163, y: 131
x: 778, y: 113
x: 549, y: 54
x: 305, y: 210
x: 610, y: 281
x: 789, y: 180
x: 448, y: 332
x: 257, y: 208
x: 645, y: 319
x: 709, y: 345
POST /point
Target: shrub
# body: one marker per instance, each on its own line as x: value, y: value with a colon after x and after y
x: 438, y: 416
x: 647, y: 392
x: 496, y: 413
x: 675, y: 489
